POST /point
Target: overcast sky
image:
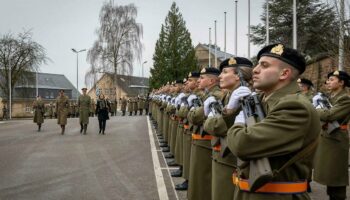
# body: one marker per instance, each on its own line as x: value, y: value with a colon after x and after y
x: 59, y: 25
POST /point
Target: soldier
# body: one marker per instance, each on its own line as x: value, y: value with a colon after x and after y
x: 50, y: 110
x: 71, y: 109
x: 113, y: 106
x: 141, y: 105
x: 234, y: 72
x: 123, y: 105
x: 4, y: 112
x: 134, y: 105
x: 332, y: 155
x: 84, y: 104
x: 147, y: 104
x: 39, y: 110
x: 284, y: 137
x: 306, y: 86
x: 200, y: 167
x: 62, y: 106
x: 102, y: 108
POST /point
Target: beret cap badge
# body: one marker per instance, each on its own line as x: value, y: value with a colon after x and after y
x: 203, y: 70
x: 278, y: 49
x: 336, y: 73
x: 190, y: 74
x: 232, y: 61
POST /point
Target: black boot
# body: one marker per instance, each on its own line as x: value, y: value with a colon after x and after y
x: 99, y: 131
x: 81, y: 127
x: 63, y: 129
x: 177, y: 173
x: 85, y: 128
x: 182, y: 186
x: 39, y: 127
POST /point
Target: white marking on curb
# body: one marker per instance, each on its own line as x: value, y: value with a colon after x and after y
x: 162, y: 192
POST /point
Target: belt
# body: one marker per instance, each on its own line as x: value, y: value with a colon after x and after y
x: 296, y: 187
x: 217, y: 148
x: 199, y: 137
x: 342, y: 127
x: 186, y: 126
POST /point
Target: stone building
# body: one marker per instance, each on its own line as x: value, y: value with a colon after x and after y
x: 127, y: 86
x: 202, y: 54
x: 24, y: 92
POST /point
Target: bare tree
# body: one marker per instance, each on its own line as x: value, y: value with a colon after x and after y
x: 21, y: 55
x: 118, y: 42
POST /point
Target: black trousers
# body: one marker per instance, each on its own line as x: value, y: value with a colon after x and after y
x: 102, y: 124
x: 336, y: 193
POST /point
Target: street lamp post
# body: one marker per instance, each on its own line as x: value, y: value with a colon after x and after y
x: 77, y: 52
x: 143, y: 84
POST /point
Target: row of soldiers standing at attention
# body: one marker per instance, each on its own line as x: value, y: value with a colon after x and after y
x: 243, y: 132
x: 136, y: 104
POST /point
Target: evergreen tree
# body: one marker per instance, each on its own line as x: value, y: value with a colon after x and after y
x: 317, y: 26
x: 174, y: 54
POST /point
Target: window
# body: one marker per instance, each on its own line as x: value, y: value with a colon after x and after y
x: 28, y: 109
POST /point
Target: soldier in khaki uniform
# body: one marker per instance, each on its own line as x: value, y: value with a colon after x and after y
x: 332, y: 156
x: 62, y: 106
x: 84, y: 104
x: 200, y: 167
x: 50, y: 110
x: 134, y: 105
x: 141, y: 105
x: 39, y: 110
x: 306, y: 86
x: 217, y: 124
x: 285, y: 137
x: 130, y: 106
x: 123, y: 105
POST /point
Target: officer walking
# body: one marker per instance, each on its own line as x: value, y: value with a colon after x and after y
x: 62, y: 106
x: 84, y: 104
x: 39, y: 110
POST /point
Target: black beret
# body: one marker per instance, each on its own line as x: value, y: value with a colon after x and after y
x: 193, y: 75
x: 285, y: 54
x: 236, y: 62
x: 84, y: 88
x: 342, y: 76
x: 305, y: 81
x: 178, y: 82
x: 210, y: 70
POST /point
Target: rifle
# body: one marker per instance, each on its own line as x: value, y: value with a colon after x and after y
x: 260, y: 171
x: 197, y: 102
x: 216, y: 108
x: 326, y: 104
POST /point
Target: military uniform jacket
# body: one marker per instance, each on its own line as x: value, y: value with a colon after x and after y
x: 62, y: 105
x: 331, y: 160
x: 218, y: 126
x: 39, y: 110
x: 291, y: 124
x: 130, y: 105
x: 123, y: 105
x: 84, y: 104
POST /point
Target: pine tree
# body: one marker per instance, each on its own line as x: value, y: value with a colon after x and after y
x: 317, y: 26
x: 174, y: 54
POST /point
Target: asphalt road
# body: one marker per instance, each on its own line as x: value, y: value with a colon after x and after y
x: 126, y: 163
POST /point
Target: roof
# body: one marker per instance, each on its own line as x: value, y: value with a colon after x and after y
x: 219, y: 54
x: 48, y: 81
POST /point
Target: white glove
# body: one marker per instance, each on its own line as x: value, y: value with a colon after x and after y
x: 236, y: 95
x: 173, y: 101
x: 178, y: 99
x: 211, y: 114
x: 190, y: 99
x: 207, y: 103
x: 315, y: 100
x: 240, y: 118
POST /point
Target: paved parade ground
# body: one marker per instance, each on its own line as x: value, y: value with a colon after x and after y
x: 126, y: 163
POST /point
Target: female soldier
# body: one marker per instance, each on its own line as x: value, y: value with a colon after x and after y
x: 62, y: 105
x: 39, y: 110
x: 331, y: 159
x: 233, y: 72
x: 102, y: 108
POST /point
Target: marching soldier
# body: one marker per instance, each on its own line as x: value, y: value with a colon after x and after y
x: 141, y: 105
x: 285, y: 136
x: 113, y: 107
x: 62, y: 106
x: 234, y: 72
x: 332, y: 156
x: 50, y: 109
x: 200, y: 167
x: 39, y: 110
x: 84, y: 109
x: 130, y: 106
x: 134, y: 105
x: 123, y: 105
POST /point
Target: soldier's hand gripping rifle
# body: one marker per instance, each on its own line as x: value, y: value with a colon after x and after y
x: 260, y: 171
x: 324, y: 103
x: 197, y: 102
x: 216, y: 108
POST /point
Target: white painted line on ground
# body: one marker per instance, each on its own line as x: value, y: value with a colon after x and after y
x: 162, y: 192
x: 170, y: 168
